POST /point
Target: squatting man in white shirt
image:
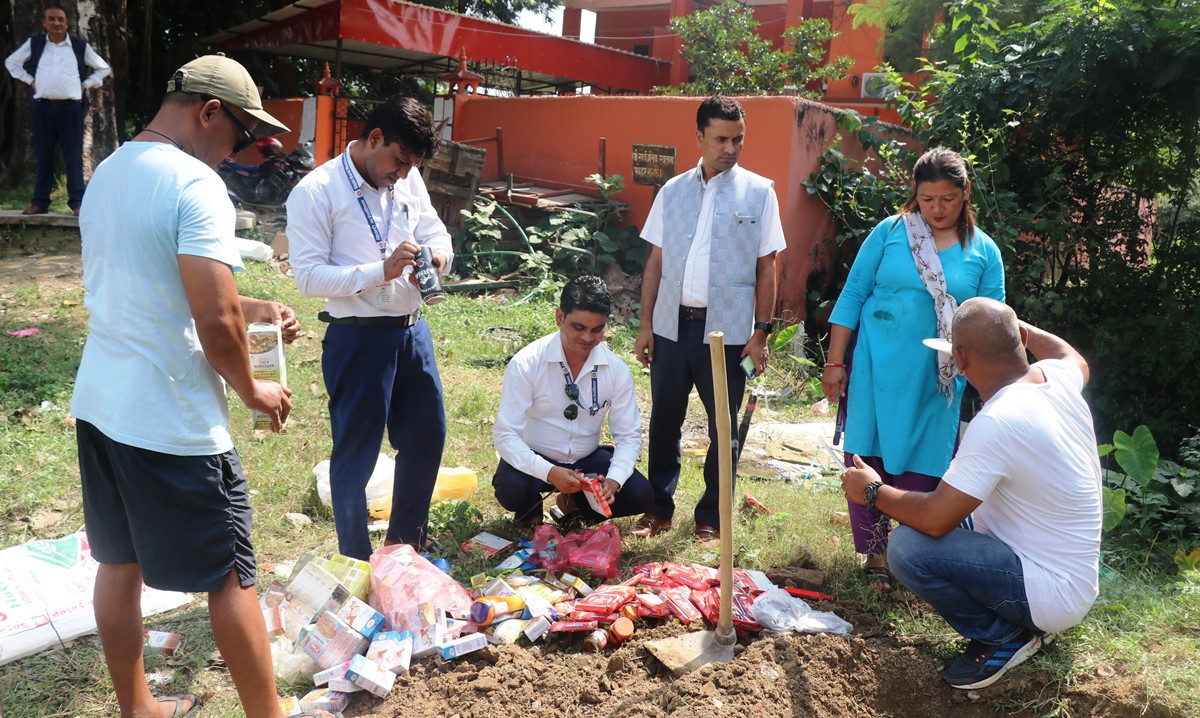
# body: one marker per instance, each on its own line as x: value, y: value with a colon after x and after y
x: 557, y: 392
x: 1028, y: 477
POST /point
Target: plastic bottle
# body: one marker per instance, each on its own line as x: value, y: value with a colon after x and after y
x: 485, y: 609
x: 621, y: 631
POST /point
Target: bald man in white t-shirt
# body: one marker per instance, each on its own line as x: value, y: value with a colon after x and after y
x: 1027, y: 474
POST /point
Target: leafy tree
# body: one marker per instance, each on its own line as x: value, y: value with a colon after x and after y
x: 1083, y: 130
x: 729, y: 57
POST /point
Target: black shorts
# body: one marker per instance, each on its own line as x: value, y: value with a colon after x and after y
x: 185, y: 520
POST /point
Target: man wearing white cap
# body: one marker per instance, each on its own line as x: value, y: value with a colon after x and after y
x: 1028, y: 476
x: 164, y: 497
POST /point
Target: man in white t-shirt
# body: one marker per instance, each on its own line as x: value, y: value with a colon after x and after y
x: 165, y: 499
x: 1028, y: 475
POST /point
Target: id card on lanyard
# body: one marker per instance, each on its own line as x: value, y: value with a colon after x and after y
x: 383, y: 294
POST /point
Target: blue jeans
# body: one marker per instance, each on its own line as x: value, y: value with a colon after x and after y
x: 973, y: 580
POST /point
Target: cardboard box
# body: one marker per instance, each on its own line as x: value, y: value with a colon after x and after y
x: 332, y: 641
x: 317, y: 589
x: 462, y: 645
x: 160, y: 643
x: 323, y: 699
x: 290, y: 706
x: 427, y: 624
x: 487, y: 543
x: 361, y: 617
x: 536, y: 628
x: 266, y: 361
x: 392, y: 650
x: 370, y: 676
x: 338, y: 671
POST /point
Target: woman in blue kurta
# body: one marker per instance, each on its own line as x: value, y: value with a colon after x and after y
x: 902, y: 400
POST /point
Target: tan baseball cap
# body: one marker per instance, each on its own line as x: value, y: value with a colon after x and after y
x: 228, y: 81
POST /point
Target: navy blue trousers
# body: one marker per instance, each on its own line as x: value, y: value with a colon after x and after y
x: 522, y: 493
x: 677, y: 367
x: 381, y: 378
x: 58, y: 124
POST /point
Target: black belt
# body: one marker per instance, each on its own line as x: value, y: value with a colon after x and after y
x: 693, y: 314
x: 401, y: 322
x: 58, y: 102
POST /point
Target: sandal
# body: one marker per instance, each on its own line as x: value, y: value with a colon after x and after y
x: 180, y: 700
x: 880, y: 577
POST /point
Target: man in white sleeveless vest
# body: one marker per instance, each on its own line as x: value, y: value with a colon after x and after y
x: 714, y: 232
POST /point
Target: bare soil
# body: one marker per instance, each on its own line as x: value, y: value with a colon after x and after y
x: 817, y: 676
x: 866, y: 675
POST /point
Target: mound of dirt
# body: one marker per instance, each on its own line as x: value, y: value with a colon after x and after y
x: 820, y: 676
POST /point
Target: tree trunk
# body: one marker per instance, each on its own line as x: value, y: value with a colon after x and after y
x: 98, y: 22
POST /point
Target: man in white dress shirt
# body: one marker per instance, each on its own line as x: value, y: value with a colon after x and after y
x: 712, y: 234
x: 356, y: 225
x: 58, y: 69
x: 557, y: 392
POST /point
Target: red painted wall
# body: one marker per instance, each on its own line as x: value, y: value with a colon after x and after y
x: 557, y: 139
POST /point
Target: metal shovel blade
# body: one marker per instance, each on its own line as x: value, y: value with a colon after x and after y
x: 684, y: 654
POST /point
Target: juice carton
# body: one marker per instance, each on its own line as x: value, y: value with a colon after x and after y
x: 427, y: 624
x: 392, y: 650
x: 462, y: 645
x: 370, y: 676
x: 323, y: 699
x: 338, y: 671
x: 332, y: 641
x: 361, y: 617
x: 266, y: 361
x: 160, y: 643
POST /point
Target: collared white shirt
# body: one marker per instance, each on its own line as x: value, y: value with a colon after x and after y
x: 57, y: 71
x: 332, y: 250
x: 530, y: 418
x: 695, y: 272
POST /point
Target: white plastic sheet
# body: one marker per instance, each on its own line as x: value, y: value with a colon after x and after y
x: 46, y: 595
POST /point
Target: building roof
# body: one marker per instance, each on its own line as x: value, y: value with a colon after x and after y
x: 400, y: 37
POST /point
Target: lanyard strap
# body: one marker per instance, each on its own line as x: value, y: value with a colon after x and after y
x: 591, y: 410
x: 380, y: 240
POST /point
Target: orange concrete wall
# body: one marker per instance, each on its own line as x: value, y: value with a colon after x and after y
x: 557, y: 139
x: 861, y: 45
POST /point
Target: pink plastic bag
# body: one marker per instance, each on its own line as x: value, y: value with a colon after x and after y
x: 595, y: 550
x: 401, y: 578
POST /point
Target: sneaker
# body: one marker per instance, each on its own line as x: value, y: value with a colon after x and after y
x: 981, y: 665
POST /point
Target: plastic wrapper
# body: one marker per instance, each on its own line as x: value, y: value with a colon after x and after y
x: 778, y: 611
x: 401, y: 579
x: 595, y: 550
x: 680, y: 604
x: 605, y: 600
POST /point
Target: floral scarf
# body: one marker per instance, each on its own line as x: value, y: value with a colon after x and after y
x: 929, y: 265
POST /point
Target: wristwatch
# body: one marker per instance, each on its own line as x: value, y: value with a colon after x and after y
x: 765, y: 326
x: 871, y: 493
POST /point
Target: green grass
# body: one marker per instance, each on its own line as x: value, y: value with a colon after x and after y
x: 18, y: 197
x: 1144, y: 623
